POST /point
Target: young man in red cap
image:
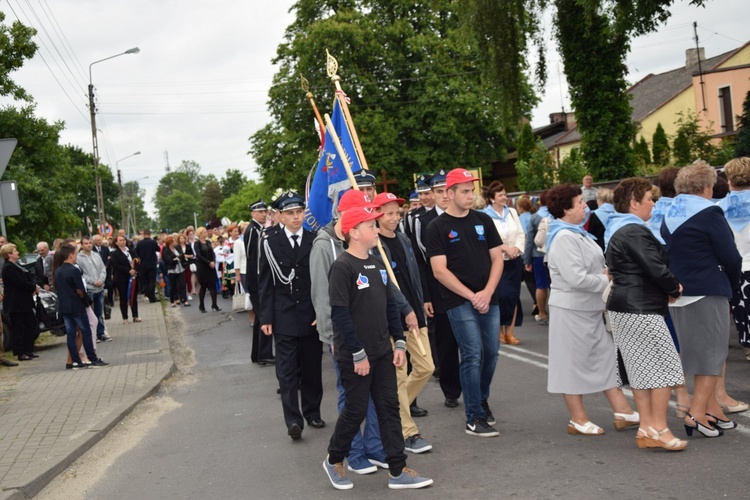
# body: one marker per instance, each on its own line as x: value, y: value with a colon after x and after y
x: 464, y: 251
x: 404, y: 267
x: 365, y: 313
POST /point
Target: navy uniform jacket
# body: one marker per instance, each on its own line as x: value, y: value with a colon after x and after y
x: 252, y: 238
x: 288, y: 308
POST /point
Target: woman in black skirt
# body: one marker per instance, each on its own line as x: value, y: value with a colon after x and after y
x: 206, y: 263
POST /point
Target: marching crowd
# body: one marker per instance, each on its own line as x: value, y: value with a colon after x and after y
x: 638, y: 285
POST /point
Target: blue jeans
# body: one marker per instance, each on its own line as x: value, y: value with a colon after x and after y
x: 80, y: 320
x: 477, y: 338
x: 365, y: 444
x: 98, y: 306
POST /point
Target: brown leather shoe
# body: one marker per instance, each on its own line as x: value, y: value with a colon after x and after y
x: 511, y: 339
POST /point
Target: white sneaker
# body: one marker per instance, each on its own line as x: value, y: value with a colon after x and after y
x: 190, y: 297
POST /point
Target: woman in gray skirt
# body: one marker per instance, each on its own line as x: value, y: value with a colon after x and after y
x: 642, y: 285
x: 704, y: 258
x: 582, y: 355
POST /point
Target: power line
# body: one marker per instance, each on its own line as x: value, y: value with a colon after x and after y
x: 54, y: 45
x: 59, y: 83
x: 61, y: 34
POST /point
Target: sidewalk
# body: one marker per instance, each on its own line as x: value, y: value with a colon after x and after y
x: 49, y: 416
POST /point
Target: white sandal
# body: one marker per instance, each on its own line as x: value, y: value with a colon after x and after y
x: 587, y: 429
x: 623, y: 420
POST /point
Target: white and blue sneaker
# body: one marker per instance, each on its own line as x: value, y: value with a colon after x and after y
x: 417, y: 444
x: 380, y: 460
x: 360, y: 465
x: 409, y: 479
x: 337, y: 475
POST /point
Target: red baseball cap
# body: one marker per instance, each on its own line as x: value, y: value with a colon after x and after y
x: 459, y: 176
x: 384, y: 198
x: 353, y: 198
x: 357, y: 215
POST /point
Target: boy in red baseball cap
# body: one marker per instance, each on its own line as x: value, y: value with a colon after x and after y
x: 364, y: 314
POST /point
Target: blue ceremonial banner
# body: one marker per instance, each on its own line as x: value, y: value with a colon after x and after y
x: 330, y: 176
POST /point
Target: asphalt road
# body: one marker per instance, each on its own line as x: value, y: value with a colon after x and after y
x: 226, y: 438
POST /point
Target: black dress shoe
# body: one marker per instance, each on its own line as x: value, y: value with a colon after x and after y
x: 201, y: 309
x: 316, y: 423
x: 269, y: 361
x: 295, y: 432
x: 32, y: 354
x: 24, y: 357
x: 216, y: 308
x: 7, y: 362
x: 416, y: 411
x: 451, y: 403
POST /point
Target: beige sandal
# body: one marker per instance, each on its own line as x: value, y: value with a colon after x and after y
x: 673, y: 445
x: 587, y: 429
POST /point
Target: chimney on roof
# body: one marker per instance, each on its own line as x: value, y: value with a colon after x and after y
x: 692, y: 55
x: 568, y: 117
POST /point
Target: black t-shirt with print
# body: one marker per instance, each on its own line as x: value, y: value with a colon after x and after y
x: 361, y: 285
x: 466, y: 243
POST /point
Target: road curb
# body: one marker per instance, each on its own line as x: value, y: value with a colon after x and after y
x: 29, y: 488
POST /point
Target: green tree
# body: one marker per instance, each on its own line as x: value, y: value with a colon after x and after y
x: 526, y: 143
x: 193, y: 171
x: 16, y: 45
x: 56, y: 184
x: 594, y: 39
x: 695, y: 143
x: 742, y: 142
x: 177, y: 211
x: 232, y: 182
x: 681, y: 149
x: 236, y: 207
x: 418, y: 98
x: 538, y: 172
x: 572, y: 168
x: 174, y: 183
x: 211, y: 199
x: 642, y: 153
x: 660, y: 146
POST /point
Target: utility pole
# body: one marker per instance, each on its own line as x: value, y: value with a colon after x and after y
x: 99, y: 191
x: 92, y: 109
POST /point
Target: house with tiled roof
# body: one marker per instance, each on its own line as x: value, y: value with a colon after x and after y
x: 713, y: 88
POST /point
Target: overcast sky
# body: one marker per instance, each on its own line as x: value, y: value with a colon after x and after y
x: 198, y: 88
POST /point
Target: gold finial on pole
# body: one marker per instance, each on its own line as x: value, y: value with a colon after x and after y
x: 332, y: 67
x: 308, y: 95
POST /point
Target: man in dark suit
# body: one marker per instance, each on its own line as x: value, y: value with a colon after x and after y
x: 286, y: 312
x: 148, y: 250
x: 262, y: 350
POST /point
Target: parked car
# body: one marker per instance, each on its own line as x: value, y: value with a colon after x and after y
x: 53, y: 322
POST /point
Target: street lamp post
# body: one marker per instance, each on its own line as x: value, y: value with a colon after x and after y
x: 92, y: 109
x: 119, y: 181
